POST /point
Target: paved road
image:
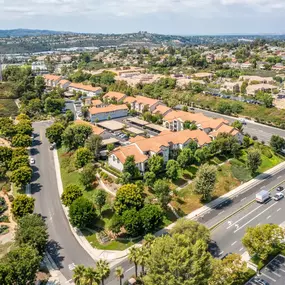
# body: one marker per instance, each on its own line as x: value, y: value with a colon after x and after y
x: 262, y: 132
x: 63, y: 246
x: 229, y: 234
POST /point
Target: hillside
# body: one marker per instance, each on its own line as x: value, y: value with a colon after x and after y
x: 27, y: 32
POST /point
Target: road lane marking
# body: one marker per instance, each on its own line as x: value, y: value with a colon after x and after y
x: 281, y: 269
x: 255, y: 217
x: 276, y: 274
x: 71, y: 266
x: 243, y: 199
x: 244, y: 216
x: 234, y: 243
x: 130, y: 269
x: 241, y: 249
x: 262, y: 187
x: 278, y: 209
x: 221, y: 212
x: 268, y: 217
x: 279, y: 177
x: 221, y: 253
x: 268, y: 277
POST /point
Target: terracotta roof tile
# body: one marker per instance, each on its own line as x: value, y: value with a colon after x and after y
x: 84, y: 87
x: 107, y: 109
x: 117, y: 95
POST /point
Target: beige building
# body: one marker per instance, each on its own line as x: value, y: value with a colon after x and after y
x: 253, y: 89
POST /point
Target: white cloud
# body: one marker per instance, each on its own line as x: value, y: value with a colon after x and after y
x: 129, y: 8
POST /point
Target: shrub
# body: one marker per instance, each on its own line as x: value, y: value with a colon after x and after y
x: 4, y: 219
x: 3, y: 229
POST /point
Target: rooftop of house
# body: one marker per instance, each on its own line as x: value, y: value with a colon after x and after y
x: 213, y: 123
x: 107, y: 109
x: 224, y: 129
x: 96, y: 130
x: 186, y: 116
x: 118, y: 96
x: 130, y: 150
x: 260, y: 86
x: 51, y: 77
x: 63, y: 81
x: 161, y: 109
x: 84, y: 87
x: 256, y: 78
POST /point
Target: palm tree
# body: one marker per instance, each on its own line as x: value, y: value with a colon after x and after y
x: 91, y: 277
x: 148, y: 240
x: 103, y: 269
x: 133, y: 256
x: 142, y: 257
x: 119, y: 273
x: 78, y: 274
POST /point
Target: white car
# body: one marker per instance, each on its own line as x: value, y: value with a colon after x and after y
x: 278, y: 196
x: 32, y: 160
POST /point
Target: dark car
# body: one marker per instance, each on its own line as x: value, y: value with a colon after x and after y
x: 260, y: 281
x: 280, y: 188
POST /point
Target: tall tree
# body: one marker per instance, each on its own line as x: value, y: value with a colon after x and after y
x: 205, y: 180
x: 78, y: 274
x: 253, y: 160
x: 103, y: 269
x: 162, y: 192
x: 20, y: 140
x: 21, y: 176
x: 185, y: 158
x: 22, y: 205
x: 155, y: 164
x: 151, y: 217
x: 70, y: 193
x: 134, y: 256
x: 130, y: 167
x: 82, y: 213
x: 82, y: 157
x: 32, y: 230
x: 99, y: 198
x: 262, y: 240
x: 54, y: 133
x: 119, y: 273
x: 127, y: 197
x: 93, y: 143
x: 88, y: 175
x: 277, y: 143
x: 172, y: 169
x: 132, y: 222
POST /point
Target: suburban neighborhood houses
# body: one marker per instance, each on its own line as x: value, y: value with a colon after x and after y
x: 142, y: 159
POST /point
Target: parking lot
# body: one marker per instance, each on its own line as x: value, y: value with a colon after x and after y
x: 272, y: 273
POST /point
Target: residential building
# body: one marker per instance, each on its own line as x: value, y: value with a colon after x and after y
x: 162, y: 110
x: 96, y: 114
x: 116, y: 96
x: 233, y: 87
x: 87, y: 90
x: 259, y: 79
x: 63, y: 84
x: 278, y: 67
x: 51, y: 80
x: 253, y: 89
x: 141, y: 103
x: 144, y: 148
x: 96, y: 130
x: 202, y: 75
x: 229, y: 130
x: 246, y: 65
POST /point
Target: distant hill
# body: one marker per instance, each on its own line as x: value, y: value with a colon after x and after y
x: 28, y: 32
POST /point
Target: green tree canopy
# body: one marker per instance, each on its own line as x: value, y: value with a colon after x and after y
x: 22, y: 205
x: 205, y: 180
x: 54, y: 133
x: 88, y: 175
x: 82, y: 213
x: 132, y: 222
x: 20, y: 140
x: 149, y: 178
x: 93, y: 143
x: 151, y: 217
x: 185, y: 157
x: 253, y: 160
x: 155, y: 164
x: 262, y: 240
x: 172, y: 169
x: 162, y: 192
x: 32, y: 230
x: 277, y: 143
x: 19, y: 161
x: 127, y: 197
x: 70, y: 193
x: 130, y: 167
x: 82, y: 157
x: 21, y: 176
x: 99, y: 198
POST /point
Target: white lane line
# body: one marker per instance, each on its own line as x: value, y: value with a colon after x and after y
x: 279, y: 177
x: 129, y: 269
x: 262, y: 187
x: 278, y: 209
x: 221, y: 252
x: 281, y: 269
x: 244, y: 216
x: 241, y: 249
x: 255, y: 217
x: 276, y: 274
x: 243, y: 199
x: 221, y: 212
x: 268, y: 217
x: 268, y: 277
x: 234, y: 243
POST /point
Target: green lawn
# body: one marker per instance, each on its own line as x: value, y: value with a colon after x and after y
x: 112, y: 245
x: 8, y: 108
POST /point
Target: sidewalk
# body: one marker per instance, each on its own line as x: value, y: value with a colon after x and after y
x: 113, y: 257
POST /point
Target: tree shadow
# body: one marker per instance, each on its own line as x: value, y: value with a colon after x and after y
x: 53, y: 249
x: 36, y: 187
x: 36, y: 143
x: 34, y: 151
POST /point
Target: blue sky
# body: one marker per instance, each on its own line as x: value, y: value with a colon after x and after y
x: 186, y: 17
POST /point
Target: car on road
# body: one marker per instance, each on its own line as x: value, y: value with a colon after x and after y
x: 32, y: 160
x: 278, y: 196
x: 260, y: 281
x: 280, y: 188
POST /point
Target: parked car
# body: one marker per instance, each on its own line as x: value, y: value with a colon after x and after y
x: 280, y: 188
x: 278, y: 196
x: 260, y: 281
x: 32, y: 160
